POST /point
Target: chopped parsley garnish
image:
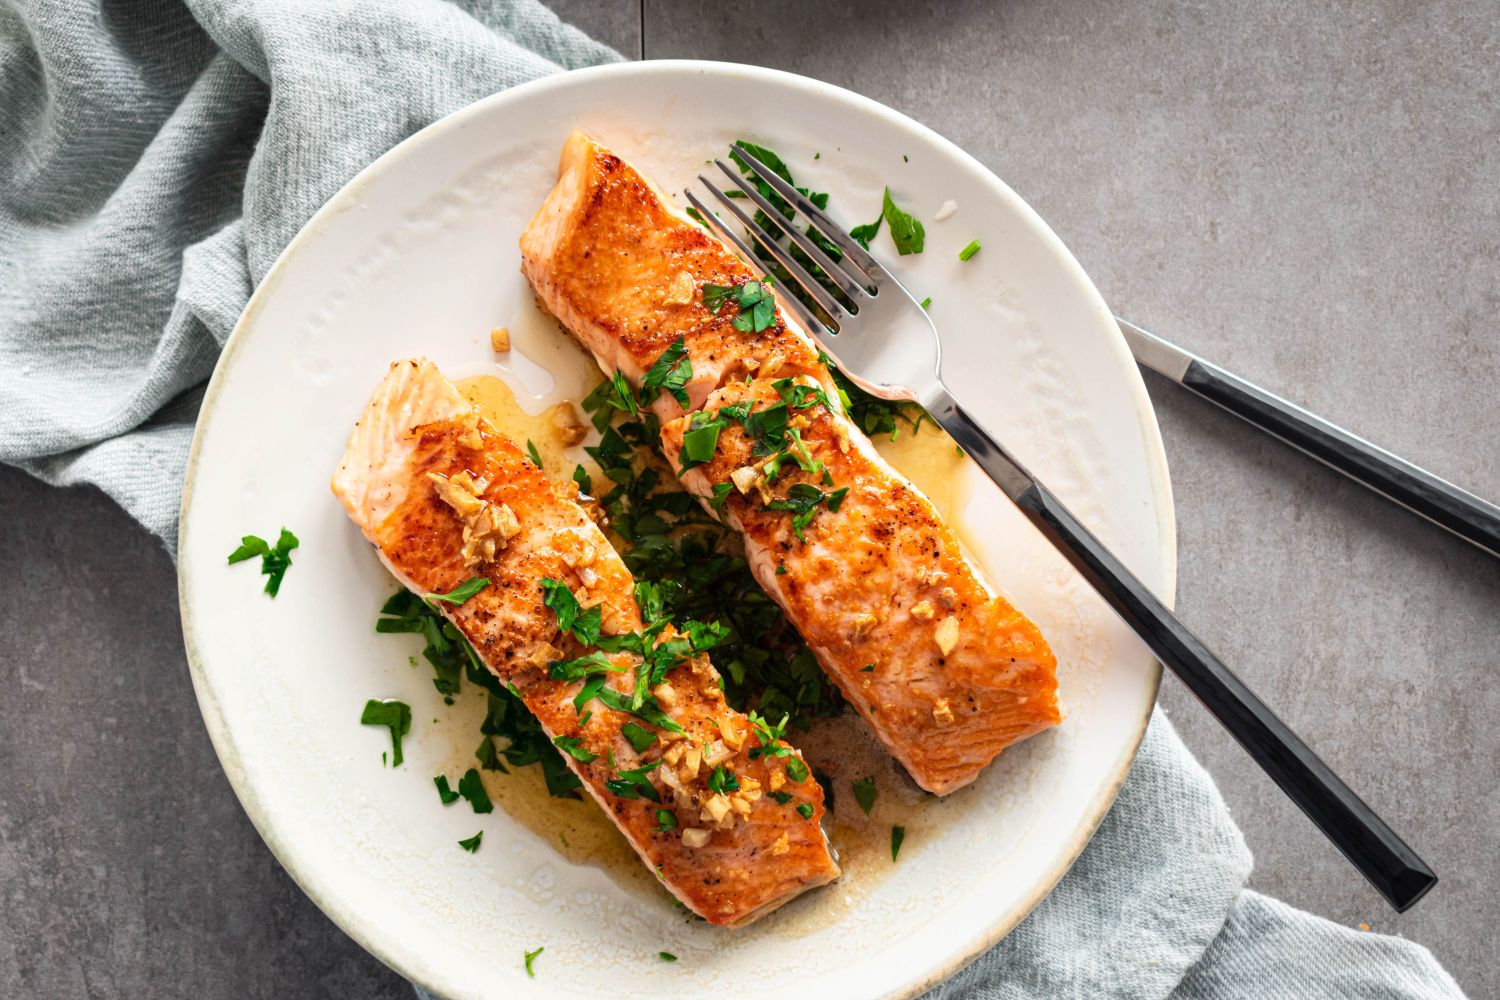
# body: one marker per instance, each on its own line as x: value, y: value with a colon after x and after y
x: 666, y: 956
x: 581, y: 477
x: 868, y: 668
x: 640, y: 739
x: 925, y: 302
x: 806, y: 809
x: 593, y: 664
x: 613, y: 393
x: 865, y: 793
x: 573, y: 747
x: 867, y: 232
x: 448, y: 795
x: 722, y: 781
x: 488, y: 756
x: 395, y: 716
x: 872, y: 414
x: 634, y: 784
x: 756, y: 303
x: 769, y: 737
x: 671, y: 372
x: 782, y: 798
x: 898, y: 834
x: 802, y: 500
x: 531, y: 957
x: 969, y: 250
x: 906, y: 231
x: 666, y: 820
x: 452, y: 659
x: 472, y: 789
x: 781, y: 569
x: 699, y: 441
x: 573, y: 618
x: 472, y: 844
x: 458, y: 595
x: 274, y: 559
x: 721, y: 494
x: 796, y: 770
x: 536, y: 459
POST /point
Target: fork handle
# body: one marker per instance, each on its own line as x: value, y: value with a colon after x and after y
x: 1381, y: 856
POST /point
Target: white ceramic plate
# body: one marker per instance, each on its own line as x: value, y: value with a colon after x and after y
x: 417, y: 255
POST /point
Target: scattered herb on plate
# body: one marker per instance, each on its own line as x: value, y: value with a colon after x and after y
x: 865, y: 793
x: 898, y: 834
x: 274, y: 559
x: 969, y: 251
x: 666, y: 956
x: 447, y: 794
x: 531, y: 957
x: 460, y: 594
x: 395, y: 716
x: 471, y: 787
x: 472, y: 844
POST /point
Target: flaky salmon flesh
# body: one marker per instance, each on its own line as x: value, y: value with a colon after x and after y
x: 943, y: 669
x: 724, y: 812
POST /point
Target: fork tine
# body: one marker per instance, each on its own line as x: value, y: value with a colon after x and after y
x: 805, y: 315
x: 831, y: 230
x: 832, y: 306
x: 850, y: 285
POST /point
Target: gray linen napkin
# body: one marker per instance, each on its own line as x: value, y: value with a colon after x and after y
x: 157, y: 155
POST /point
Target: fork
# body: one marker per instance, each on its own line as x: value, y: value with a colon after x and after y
x: 884, y: 342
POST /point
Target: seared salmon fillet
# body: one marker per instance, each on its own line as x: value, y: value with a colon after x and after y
x: 946, y: 672
x: 714, y: 802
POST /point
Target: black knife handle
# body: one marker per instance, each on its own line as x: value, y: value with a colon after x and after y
x: 1438, y: 500
x: 1370, y: 845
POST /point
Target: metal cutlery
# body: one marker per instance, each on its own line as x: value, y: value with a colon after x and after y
x: 1474, y: 520
x: 883, y: 341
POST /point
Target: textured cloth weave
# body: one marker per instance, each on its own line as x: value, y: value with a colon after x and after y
x: 155, y: 158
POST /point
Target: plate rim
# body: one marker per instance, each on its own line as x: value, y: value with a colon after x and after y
x: 410, y: 966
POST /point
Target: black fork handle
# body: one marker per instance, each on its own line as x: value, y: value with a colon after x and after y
x: 1370, y: 845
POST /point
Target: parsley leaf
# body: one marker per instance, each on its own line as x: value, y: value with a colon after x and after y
x: 864, y: 234
x: 802, y: 501
x: 458, y: 595
x: 472, y: 844
x: 722, y: 781
x: 536, y: 459
x: 865, y: 793
x: 531, y: 957
x: 666, y: 820
x: 806, y: 809
x: 634, y: 784
x: 488, y: 756
x: 968, y: 251
x: 395, y: 716
x: 796, y: 770
x: 666, y: 956
x: 274, y: 559
x: 445, y: 793
x: 583, y: 623
x: 898, y: 834
x: 782, y: 798
x: 700, y: 441
x: 597, y: 662
x: 714, y: 296
x: 757, y: 308
x: 671, y: 371
x: 639, y: 738
x: 906, y: 231
x: 472, y: 789
x: 573, y: 747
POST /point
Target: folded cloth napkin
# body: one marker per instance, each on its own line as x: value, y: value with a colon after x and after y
x: 155, y: 158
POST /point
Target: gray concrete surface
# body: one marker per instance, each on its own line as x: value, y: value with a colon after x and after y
x: 1309, y: 196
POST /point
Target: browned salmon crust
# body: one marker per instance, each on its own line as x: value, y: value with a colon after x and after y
x: 946, y: 672
x: 444, y: 498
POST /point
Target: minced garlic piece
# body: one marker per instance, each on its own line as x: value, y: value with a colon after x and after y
x: 459, y: 492
x: 941, y: 713
x: 570, y: 427
x: 673, y: 754
x: 716, y: 753
x: 782, y: 845
x: 544, y: 654
x: 690, y: 761
x: 694, y: 837
x: 715, y: 809
x: 680, y: 292
x: 948, y: 597
x: 922, y: 611
x: 740, y: 805
x: 500, y: 339
x: 665, y: 694
x: 862, y: 625
x: 771, y: 366
x: 777, y: 779
x: 487, y: 527
x: 947, y: 634
x: 745, y: 478
x: 733, y: 736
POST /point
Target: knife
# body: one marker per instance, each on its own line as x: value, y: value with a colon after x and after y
x: 1474, y: 520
